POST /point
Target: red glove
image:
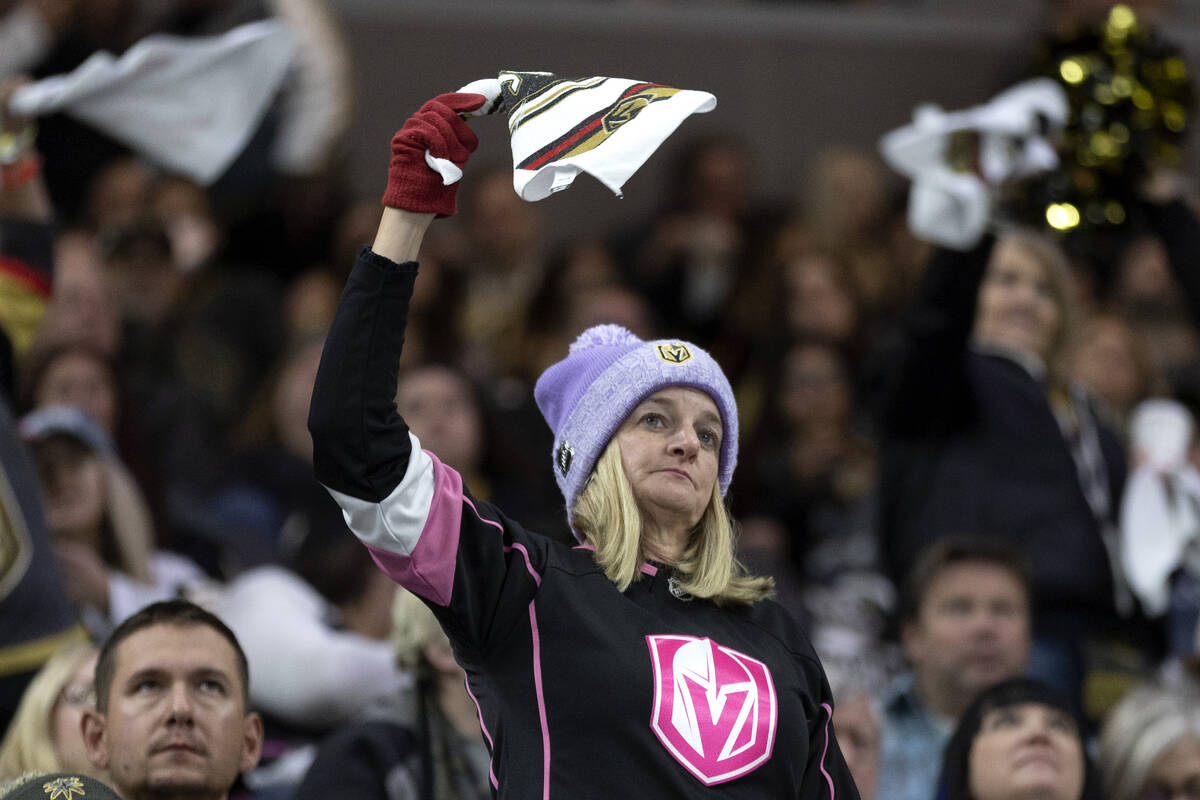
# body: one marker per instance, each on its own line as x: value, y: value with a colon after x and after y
x: 437, y: 127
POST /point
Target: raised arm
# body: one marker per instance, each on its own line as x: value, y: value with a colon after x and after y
x: 926, y: 384
x: 361, y: 445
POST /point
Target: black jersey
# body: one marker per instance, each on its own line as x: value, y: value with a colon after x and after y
x: 583, y: 690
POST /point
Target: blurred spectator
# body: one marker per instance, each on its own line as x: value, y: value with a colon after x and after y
x: 101, y: 528
x: 983, y: 433
x: 857, y: 723
x: 76, y: 374
x: 502, y: 264
x: 36, y: 616
x: 83, y: 306
x: 1157, y: 305
x: 566, y: 303
x: 811, y: 475
x: 848, y: 212
x: 1019, y: 740
x: 705, y: 242
x: 323, y: 607
x: 269, y: 472
x: 314, y: 629
x: 46, y: 733
x: 118, y: 196
x: 1150, y: 744
x: 452, y: 418
x: 27, y: 29
x: 966, y: 623
x: 1111, y: 359
x: 424, y: 746
x: 1160, y: 522
x: 802, y: 293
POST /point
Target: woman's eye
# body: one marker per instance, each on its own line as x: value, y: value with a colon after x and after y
x: 1062, y: 722
x: 1002, y: 718
x: 709, y: 438
x: 212, y: 687
x: 653, y: 420
x: 148, y: 685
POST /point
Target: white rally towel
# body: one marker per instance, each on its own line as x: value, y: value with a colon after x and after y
x: 950, y: 206
x: 560, y: 127
x: 188, y: 104
x: 1160, y: 507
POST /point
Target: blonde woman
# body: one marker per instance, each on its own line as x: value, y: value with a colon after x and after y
x: 45, y: 733
x: 983, y: 433
x: 1150, y: 744
x: 641, y: 662
x: 425, y: 747
x: 99, y: 522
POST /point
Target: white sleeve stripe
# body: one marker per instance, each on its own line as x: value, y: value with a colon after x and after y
x: 395, y: 523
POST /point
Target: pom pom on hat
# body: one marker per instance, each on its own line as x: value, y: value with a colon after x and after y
x: 607, y: 372
x: 601, y: 335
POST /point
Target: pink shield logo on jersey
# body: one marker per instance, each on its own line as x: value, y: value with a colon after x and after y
x: 714, y: 708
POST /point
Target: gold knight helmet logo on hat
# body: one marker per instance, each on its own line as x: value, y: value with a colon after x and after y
x: 674, y: 353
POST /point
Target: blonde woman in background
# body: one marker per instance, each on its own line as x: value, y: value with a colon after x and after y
x: 99, y: 522
x: 45, y: 735
x: 1150, y: 744
x: 428, y: 747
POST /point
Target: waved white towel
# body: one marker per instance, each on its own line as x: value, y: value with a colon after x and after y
x: 188, y: 104
x: 951, y: 207
x: 606, y: 127
x: 1160, y: 507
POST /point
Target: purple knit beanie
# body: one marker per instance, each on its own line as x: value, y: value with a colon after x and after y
x: 607, y: 372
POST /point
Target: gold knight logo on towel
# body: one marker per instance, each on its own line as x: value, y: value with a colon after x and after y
x: 590, y: 133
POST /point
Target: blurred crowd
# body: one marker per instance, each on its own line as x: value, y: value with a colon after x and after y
x: 164, y: 339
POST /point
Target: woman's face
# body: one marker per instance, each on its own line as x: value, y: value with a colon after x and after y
x: 1106, y: 363
x: 79, y: 379
x: 818, y: 303
x: 856, y: 725
x: 73, y: 487
x: 1017, y: 307
x: 670, y: 450
x: 815, y: 389
x: 77, y: 696
x: 292, y: 397
x: 1176, y: 773
x: 1026, y: 750
x: 439, y: 407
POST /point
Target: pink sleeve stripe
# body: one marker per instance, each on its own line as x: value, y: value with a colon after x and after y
x: 486, y: 734
x: 825, y: 750
x: 429, y: 570
x: 537, y: 578
x: 541, y: 701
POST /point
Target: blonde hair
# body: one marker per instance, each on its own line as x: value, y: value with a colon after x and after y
x: 413, y: 628
x: 1143, y: 726
x: 1057, y: 268
x: 129, y: 520
x: 607, y: 515
x: 28, y: 746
